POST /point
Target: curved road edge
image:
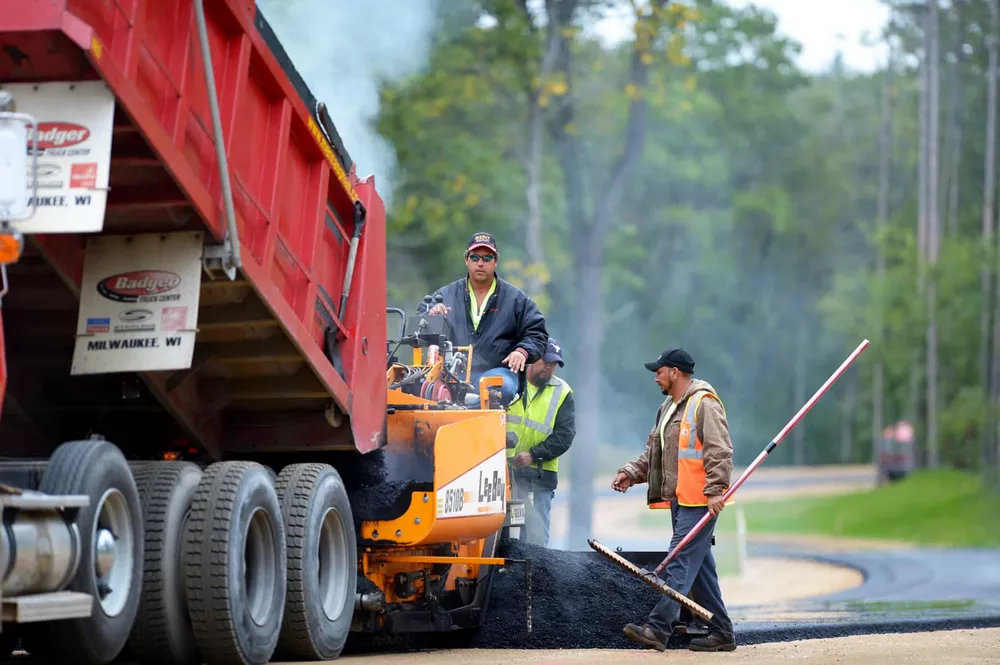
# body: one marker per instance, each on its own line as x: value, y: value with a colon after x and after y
x: 903, y: 591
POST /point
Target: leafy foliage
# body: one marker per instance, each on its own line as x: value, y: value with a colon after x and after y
x: 747, y: 226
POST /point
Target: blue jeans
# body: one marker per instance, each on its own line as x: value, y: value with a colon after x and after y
x: 692, y: 573
x: 537, y: 518
x: 537, y: 513
x: 507, y: 390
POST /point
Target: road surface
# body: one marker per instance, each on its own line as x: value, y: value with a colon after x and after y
x: 957, y: 647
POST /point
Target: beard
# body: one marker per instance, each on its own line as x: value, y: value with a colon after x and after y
x: 540, y: 379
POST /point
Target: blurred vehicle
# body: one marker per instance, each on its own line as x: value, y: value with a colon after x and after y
x: 894, y: 453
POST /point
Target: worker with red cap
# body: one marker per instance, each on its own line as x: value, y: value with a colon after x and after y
x: 502, y: 323
x: 687, y: 463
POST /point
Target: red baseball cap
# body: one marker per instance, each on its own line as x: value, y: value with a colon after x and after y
x: 482, y: 239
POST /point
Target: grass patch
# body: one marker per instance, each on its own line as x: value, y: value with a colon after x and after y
x: 943, y: 508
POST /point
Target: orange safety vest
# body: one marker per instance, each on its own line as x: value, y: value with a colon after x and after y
x: 690, y: 490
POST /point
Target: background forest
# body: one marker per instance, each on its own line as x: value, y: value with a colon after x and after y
x: 692, y: 187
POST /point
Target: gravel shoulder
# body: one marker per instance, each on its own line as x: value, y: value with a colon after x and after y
x: 777, y: 579
x: 952, y: 647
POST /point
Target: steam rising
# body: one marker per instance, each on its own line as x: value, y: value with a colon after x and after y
x: 344, y: 50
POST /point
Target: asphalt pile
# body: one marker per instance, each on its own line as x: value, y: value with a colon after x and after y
x: 375, y: 493
x: 579, y: 601
x: 383, y: 501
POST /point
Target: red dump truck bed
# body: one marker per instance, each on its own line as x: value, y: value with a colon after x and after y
x: 272, y: 350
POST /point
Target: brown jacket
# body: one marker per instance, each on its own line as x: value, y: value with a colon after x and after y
x: 660, y: 470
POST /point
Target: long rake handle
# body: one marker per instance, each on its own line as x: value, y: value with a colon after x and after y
x: 764, y: 453
x: 651, y: 580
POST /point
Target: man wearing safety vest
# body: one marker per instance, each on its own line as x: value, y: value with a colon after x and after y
x: 544, y: 420
x: 687, y: 463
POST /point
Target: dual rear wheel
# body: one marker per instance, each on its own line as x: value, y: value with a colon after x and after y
x: 229, y: 564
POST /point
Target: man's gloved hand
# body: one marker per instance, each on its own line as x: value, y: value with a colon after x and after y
x: 716, y: 504
x: 622, y: 482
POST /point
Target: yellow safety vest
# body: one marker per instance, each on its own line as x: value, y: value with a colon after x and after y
x: 535, y: 424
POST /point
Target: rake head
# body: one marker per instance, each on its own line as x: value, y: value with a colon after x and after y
x: 650, y: 580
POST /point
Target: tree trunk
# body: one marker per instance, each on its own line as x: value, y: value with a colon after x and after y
x: 954, y: 183
x: 989, y: 198
x: 882, y: 220
x: 923, y: 161
x: 589, y: 234
x: 994, y: 402
x: 533, y: 244
x: 534, y: 248
x: 914, y: 400
x: 933, y: 234
x: 954, y: 125
x: 588, y: 323
x: 922, y: 188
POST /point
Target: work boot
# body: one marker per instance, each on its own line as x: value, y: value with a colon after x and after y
x: 647, y: 636
x: 715, y: 641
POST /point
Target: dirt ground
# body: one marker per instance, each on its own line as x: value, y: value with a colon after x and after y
x: 775, y: 580
x: 952, y: 647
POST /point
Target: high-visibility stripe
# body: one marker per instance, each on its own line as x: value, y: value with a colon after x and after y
x: 550, y: 415
x: 532, y: 432
x: 530, y: 424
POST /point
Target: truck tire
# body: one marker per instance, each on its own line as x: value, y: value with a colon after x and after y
x: 234, y: 556
x: 162, y: 633
x: 322, y: 562
x: 98, y: 469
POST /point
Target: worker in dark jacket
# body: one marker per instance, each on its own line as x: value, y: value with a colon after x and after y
x: 503, y: 325
x: 544, y: 420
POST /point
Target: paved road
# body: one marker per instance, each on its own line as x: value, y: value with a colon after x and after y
x: 904, y: 591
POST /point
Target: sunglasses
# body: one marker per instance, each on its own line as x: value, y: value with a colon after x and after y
x: 485, y: 258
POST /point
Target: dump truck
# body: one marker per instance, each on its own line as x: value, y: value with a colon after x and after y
x: 212, y: 452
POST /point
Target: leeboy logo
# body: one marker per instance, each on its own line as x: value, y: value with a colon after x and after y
x: 130, y: 286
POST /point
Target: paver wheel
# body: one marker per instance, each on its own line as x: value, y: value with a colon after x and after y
x: 322, y: 562
x: 110, y: 559
x: 234, y: 556
x: 162, y: 633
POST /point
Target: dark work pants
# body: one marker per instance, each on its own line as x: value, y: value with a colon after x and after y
x: 692, y: 573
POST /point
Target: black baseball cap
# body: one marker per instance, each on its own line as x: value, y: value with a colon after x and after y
x: 553, y: 352
x: 482, y: 239
x: 678, y: 358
